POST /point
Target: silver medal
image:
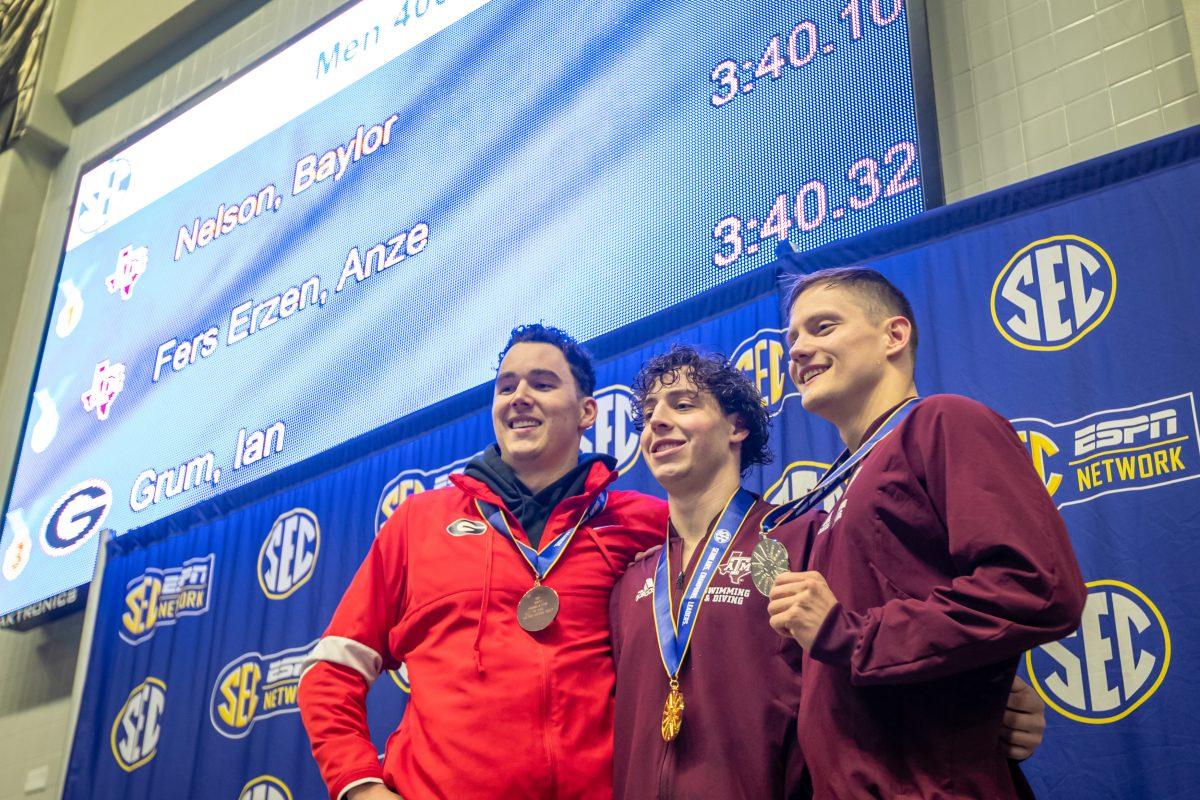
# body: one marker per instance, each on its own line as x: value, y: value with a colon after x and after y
x: 768, y: 561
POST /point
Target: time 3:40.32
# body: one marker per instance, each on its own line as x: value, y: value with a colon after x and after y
x: 808, y: 208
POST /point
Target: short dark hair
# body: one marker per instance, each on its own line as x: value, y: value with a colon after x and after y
x: 578, y: 358
x: 713, y: 373
x: 880, y: 297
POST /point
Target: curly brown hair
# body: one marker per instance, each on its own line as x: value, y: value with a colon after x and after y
x: 729, y: 386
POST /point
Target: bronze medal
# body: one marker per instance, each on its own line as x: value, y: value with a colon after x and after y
x: 768, y: 561
x: 672, y: 718
x: 538, y: 608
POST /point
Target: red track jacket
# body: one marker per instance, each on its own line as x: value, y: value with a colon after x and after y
x: 496, y: 712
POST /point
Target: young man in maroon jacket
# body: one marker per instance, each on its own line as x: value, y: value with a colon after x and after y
x: 494, y: 591
x: 710, y: 710
x: 943, y: 560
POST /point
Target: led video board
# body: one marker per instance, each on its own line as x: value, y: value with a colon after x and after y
x: 345, y: 233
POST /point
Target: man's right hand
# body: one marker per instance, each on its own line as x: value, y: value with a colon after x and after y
x: 372, y: 791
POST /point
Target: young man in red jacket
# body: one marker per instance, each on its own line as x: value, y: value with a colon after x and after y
x: 494, y: 591
x: 706, y: 692
x: 943, y: 560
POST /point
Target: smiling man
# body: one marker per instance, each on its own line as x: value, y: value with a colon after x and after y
x: 943, y: 560
x: 494, y: 591
x: 706, y: 692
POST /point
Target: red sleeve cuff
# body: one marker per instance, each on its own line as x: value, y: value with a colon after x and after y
x: 353, y: 778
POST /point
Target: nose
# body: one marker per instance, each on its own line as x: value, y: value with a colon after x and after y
x: 800, y: 350
x: 521, y: 395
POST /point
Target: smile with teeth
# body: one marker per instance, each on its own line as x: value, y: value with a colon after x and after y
x: 666, y: 446
x: 808, y: 373
x: 522, y: 423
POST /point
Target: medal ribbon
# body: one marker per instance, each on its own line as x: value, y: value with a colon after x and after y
x: 540, y: 561
x: 837, y: 473
x: 673, y: 639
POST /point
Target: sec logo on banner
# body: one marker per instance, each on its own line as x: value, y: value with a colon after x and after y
x: 1112, y: 664
x: 764, y: 358
x: 265, y: 787
x: 1053, y: 292
x: 289, y: 553
x: 410, y: 482
x: 138, y: 726
x: 798, y: 478
x: 613, y: 432
x: 75, y: 518
x: 254, y: 687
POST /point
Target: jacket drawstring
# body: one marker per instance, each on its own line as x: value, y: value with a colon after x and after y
x: 487, y: 593
x: 604, y: 552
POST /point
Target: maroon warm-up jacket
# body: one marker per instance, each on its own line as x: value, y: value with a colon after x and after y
x: 948, y: 560
x: 740, y: 683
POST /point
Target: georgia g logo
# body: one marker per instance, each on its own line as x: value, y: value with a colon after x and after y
x: 289, y: 553
x: 75, y: 518
x: 1053, y: 292
x: 613, y: 432
x: 138, y: 726
x: 1112, y: 664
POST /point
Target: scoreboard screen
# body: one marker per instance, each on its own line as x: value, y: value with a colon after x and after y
x: 344, y: 233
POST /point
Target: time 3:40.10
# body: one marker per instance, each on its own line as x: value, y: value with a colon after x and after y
x: 809, y: 207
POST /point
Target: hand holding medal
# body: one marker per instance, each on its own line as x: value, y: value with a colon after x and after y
x: 800, y: 602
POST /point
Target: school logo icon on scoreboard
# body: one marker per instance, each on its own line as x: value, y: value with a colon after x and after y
x: 288, y: 555
x: 138, y: 726
x: 265, y: 787
x: 613, y: 433
x: 1053, y: 292
x: 75, y: 518
x: 1116, y: 450
x: 254, y: 687
x: 764, y: 358
x: 159, y: 597
x: 1112, y: 664
x: 100, y: 193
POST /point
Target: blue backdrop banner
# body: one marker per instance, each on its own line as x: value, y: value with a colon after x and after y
x: 1061, y: 303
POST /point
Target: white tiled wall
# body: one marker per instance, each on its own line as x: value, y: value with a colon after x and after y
x: 1024, y: 87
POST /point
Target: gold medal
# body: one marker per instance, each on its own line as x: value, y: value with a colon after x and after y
x: 672, y: 719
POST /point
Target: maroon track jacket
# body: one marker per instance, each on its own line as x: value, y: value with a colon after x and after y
x: 740, y: 683
x: 948, y: 560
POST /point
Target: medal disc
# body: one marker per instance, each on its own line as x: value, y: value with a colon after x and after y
x: 672, y: 718
x: 537, y: 609
x: 768, y: 561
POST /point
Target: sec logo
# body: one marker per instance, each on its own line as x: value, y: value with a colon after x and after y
x: 265, y: 787
x: 764, y: 359
x: 1053, y: 292
x: 138, y: 726
x: 75, y: 518
x: 797, y: 480
x: 1112, y: 664
x: 613, y: 432
x: 289, y: 553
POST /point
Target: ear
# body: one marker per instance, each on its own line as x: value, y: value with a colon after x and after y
x: 898, y: 331
x: 587, y: 413
x: 740, y: 432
